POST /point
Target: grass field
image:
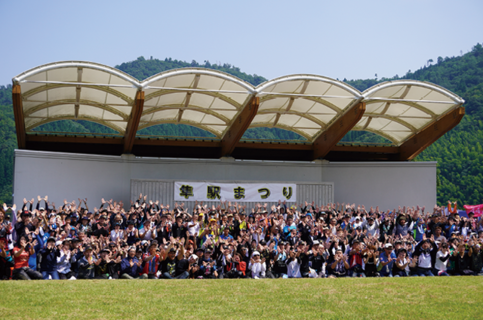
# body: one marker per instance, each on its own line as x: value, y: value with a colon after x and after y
x: 397, y: 298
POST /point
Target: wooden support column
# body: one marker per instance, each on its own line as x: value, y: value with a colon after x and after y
x: 19, y: 117
x: 337, y: 130
x: 238, y: 127
x: 133, y: 124
x: 416, y: 144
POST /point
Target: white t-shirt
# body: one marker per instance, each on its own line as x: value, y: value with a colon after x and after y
x: 258, y: 269
x: 440, y: 265
x: 195, y: 229
x: 117, y: 234
x: 293, y: 269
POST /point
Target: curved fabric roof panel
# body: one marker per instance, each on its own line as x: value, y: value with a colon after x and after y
x: 77, y: 91
x: 203, y: 98
x: 305, y: 104
x: 397, y: 110
x: 411, y: 114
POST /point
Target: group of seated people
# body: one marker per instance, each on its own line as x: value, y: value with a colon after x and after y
x: 149, y: 240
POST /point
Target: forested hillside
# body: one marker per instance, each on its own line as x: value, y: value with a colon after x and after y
x: 459, y: 152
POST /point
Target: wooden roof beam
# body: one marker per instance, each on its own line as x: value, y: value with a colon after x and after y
x: 133, y: 124
x: 417, y: 143
x: 80, y: 138
x: 337, y: 130
x: 366, y: 149
x: 238, y: 127
x: 19, y: 116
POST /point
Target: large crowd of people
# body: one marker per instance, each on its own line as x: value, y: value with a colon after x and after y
x: 149, y: 240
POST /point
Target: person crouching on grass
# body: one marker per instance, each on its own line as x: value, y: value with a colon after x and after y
x: 442, y: 258
x: 257, y: 266
x: 338, y: 269
x: 48, y: 264
x: 21, y: 254
x: 401, y: 264
x: 131, y: 266
x: 86, y: 265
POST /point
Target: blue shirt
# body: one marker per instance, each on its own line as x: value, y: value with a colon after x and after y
x: 133, y: 271
x: 223, y: 237
x: 386, y: 270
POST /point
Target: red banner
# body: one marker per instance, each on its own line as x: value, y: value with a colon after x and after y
x: 477, y: 210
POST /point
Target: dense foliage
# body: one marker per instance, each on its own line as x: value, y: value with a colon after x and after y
x: 458, y: 153
x: 142, y: 68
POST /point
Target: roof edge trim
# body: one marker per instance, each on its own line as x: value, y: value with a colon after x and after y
x: 295, y: 77
x: 457, y: 99
x: 83, y: 64
x: 166, y: 74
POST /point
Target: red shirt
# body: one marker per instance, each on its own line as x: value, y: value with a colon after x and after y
x: 242, y: 266
x: 151, y: 266
x: 22, y: 260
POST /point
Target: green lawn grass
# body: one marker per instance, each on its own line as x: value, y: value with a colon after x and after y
x: 370, y: 298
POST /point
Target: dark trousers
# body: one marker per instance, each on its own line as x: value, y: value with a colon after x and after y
x: 234, y: 274
x: 5, y: 271
x: 26, y: 274
x: 183, y: 275
x: 65, y: 276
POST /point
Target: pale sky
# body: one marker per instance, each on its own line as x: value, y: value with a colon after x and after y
x: 338, y: 39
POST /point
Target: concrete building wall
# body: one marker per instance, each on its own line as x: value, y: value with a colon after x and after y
x: 69, y: 176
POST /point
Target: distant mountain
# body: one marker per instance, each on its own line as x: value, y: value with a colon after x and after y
x: 142, y: 68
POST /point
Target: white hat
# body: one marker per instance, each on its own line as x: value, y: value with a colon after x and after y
x: 255, y: 253
x: 194, y: 257
x: 58, y: 243
x: 388, y: 245
x: 316, y: 242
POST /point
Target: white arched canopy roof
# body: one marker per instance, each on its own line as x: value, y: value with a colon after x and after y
x: 203, y: 98
x: 397, y: 110
x: 76, y: 90
x: 305, y: 104
x: 213, y: 101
